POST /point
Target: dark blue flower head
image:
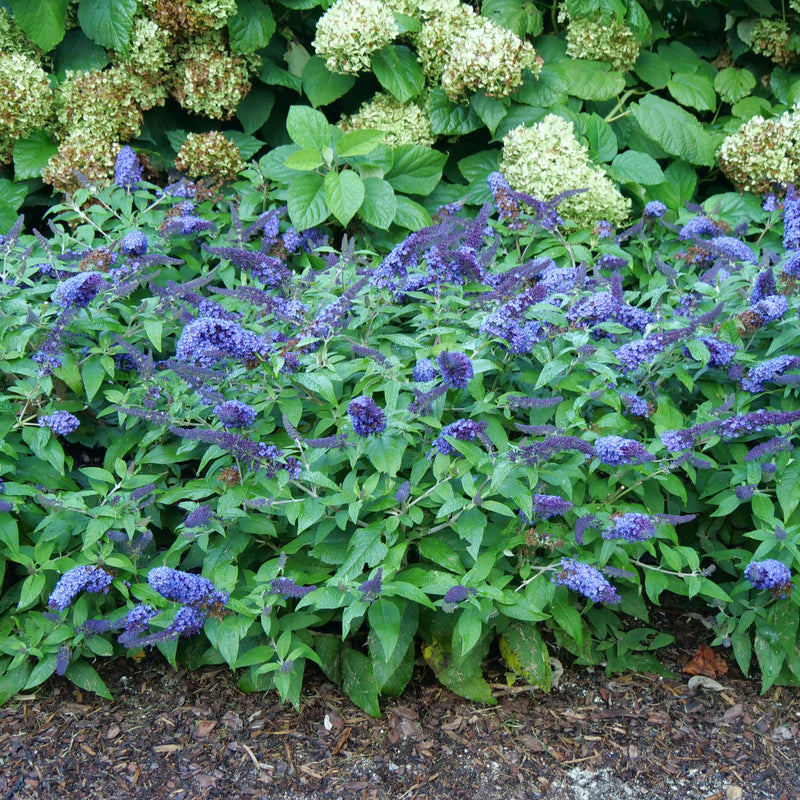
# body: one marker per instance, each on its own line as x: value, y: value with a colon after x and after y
x: 616, y: 451
x: 89, y: 578
x: 61, y: 423
x: 403, y: 492
x: 465, y: 430
x: 586, y: 580
x: 655, y: 209
x: 632, y: 526
x: 456, y: 369
x: 134, y: 243
x: 127, y: 168
x: 549, y: 505
x: 791, y: 219
x: 769, y: 371
x: 770, y: 574
x: 424, y: 371
x: 210, y: 339
x: 199, y: 518
x: 371, y: 588
x: 185, y: 587
x: 366, y: 417
x: 288, y: 588
x: 235, y: 414
x: 79, y: 290
x: 637, y: 406
x: 455, y: 595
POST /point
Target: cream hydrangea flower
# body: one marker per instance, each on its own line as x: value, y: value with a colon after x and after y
x: 763, y: 153
x: 352, y: 29
x: 404, y: 123
x: 613, y: 42
x: 546, y: 159
x: 26, y: 102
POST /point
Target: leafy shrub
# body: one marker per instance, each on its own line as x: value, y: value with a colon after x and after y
x: 232, y: 441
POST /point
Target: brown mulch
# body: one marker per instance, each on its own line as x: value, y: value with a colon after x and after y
x: 192, y: 736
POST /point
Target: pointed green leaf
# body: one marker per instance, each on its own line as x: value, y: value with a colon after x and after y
x: 306, y: 201
x: 380, y: 204
x: 398, y: 71
x: 384, y: 620
x: 323, y: 86
x: 410, y: 214
x: 591, y: 80
x: 85, y: 676
x: 32, y: 154
x: 344, y: 193
x: 694, y: 90
x: 526, y: 654
x: 652, y: 69
x: 359, y: 682
x: 251, y: 27
x: 635, y: 167
x: 42, y: 22
x: 358, y: 143
x: 449, y: 118
x: 734, y: 84
x: 308, y: 128
x: 416, y: 169
x: 108, y: 22
x: 304, y: 160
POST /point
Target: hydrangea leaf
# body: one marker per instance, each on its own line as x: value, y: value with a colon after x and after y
x: 635, y: 167
x: 734, y: 84
x: 344, y: 194
x: 449, y: 118
x: 308, y: 128
x: 108, y: 22
x: 398, y: 71
x: 323, y: 86
x: 42, y: 22
x: 31, y: 154
x: 694, y: 90
x: 591, y: 80
x: 306, y: 201
x: 652, y: 69
x: 380, y: 204
x: 251, y: 27
x: 416, y: 169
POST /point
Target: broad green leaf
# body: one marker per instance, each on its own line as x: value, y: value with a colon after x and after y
x: 398, y: 71
x: 255, y: 107
x: 470, y: 526
x: 93, y: 374
x: 306, y: 201
x: 544, y: 90
x: 41, y: 21
x: 679, y: 57
x: 108, y: 22
x: 416, y: 169
x: 251, y: 27
x: 464, y: 676
x: 358, y: 143
x: 273, y: 166
x: 655, y: 583
x: 734, y: 84
x: 344, y: 193
x: 652, y: 69
x: 308, y: 128
x: 359, y: 681
x: 248, y: 145
x: 674, y: 129
x: 32, y: 154
x: 781, y: 81
x: 591, y: 80
x: 602, y: 140
x: 380, y: 204
x: 85, y: 676
x: 478, y: 166
x: 410, y: 214
x: 491, y: 110
x: 468, y: 630
x: 384, y: 620
x: 526, y: 654
x: 304, y: 160
x: 322, y: 86
x: 694, y: 90
x: 749, y: 107
x: 679, y: 186
x: 788, y: 489
x: 449, y: 118
x: 634, y: 167
x: 524, y: 19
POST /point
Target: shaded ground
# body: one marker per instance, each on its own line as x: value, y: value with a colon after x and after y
x: 191, y: 736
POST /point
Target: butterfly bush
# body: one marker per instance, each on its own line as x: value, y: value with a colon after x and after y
x: 498, y: 426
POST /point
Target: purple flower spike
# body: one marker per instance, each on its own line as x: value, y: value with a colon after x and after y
x: 61, y: 423
x: 633, y: 527
x: 465, y: 430
x: 549, y: 505
x: 134, y: 243
x: 235, y: 414
x: 456, y: 369
x: 769, y: 574
x: 616, y: 451
x: 185, y: 587
x: 79, y: 290
x: 127, y: 169
x: 424, y: 371
x: 371, y: 588
x: 89, y: 578
x: 367, y: 418
x: 457, y: 594
x: 587, y: 581
x: 288, y: 588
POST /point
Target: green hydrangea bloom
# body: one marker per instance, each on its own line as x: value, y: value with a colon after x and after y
x: 612, y: 42
x: 93, y: 157
x: 404, y: 123
x: 546, y: 159
x: 763, y: 153
x: 187, y: 18
x: 209, y: 156
x: 771, y: 38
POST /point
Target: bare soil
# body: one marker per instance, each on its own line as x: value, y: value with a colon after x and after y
x: 192, y: 736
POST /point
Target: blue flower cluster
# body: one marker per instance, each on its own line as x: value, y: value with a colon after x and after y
x: 199, y: 518
x: 769, y: 372
x: 127, y: 169
x: 185, y: 587
x: 288, y: 588
x: 79, y: 290
x: 455, y: 595
x: 89, y: 578
x: 549, y: 505
x: 617, y: 450
x: 235, y: 414
x: 586, y: 580
x: 465, y: 430
x: 208, y: 340
x: 371, y: 588
x: 424, y: 371
x: 631, y: 526
x: 755, y: 421
x: 61, y: 423
x: 366, y: 417
x: 134, y: 243
x: 769, y: 574
x: 456, y: 369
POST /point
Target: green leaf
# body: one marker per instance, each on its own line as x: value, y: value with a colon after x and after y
x: 380, y: 204
x: 602, y: 140
x: 591, y: 80
x: 734, y: 84
x: 384, y: 620
x: 306, y: 201
x: 93, y: 374
x: 304, y: 160
x: 255, y: 107
x: 679, y: 186
x: 464, y: 676
x: 770, y: 657
x: 634, y: 167
x: 251, y: 27
x: 654, y: 584
x: 358, y: 143
x: 468, y: 630
x: 679, y: 57
x: 32, y: 154
x: 416, y: 169
x: 693, y: 89
x: 42, y: 22
x: 526, y: 654
x: 344, y: 193
x: 31, y: 590
x: 543, y: 91
x: 491, y: 110
x: 410, y: 214
x: 448, y: 118
x: 308, y: 128
x: 470, y: 526
x: 788, y: 489
x: 750, y: 107
x: 85, y: 676
x: 323, y: 86
x: 521, y: 18
x: 398, y: 71
x: 108, y: 22
x: 652, y: 69
x: 78, y: 53
x: 675, y: 129
x: 359, y: 682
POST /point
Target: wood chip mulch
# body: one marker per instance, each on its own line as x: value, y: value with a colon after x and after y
x: 195, y: 736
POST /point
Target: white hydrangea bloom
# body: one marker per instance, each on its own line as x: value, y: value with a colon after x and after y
x: 546, y: 159
x: 352, y: 29
x: 614, y: 42
x: 404, y: 123
x: 763, y: 153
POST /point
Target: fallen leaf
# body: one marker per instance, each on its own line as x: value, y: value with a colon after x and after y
x: 204, y: 727
x: 113, y: 732
x: 705, y: 682
x: 706, y: 662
